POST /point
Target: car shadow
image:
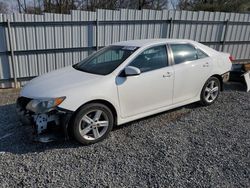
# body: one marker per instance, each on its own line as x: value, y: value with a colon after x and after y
x: 172, y: 115
x: 18, y: 139
x: 235, y: 86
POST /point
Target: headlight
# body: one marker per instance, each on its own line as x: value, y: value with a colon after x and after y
x: 44, y: 105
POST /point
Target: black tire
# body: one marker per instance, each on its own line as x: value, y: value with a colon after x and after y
x: 85, y: 110
x: 204, y: 93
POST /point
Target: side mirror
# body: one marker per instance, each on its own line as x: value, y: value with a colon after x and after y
x: 132, y: 71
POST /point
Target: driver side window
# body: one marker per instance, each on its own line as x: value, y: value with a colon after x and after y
x: 151, y: 59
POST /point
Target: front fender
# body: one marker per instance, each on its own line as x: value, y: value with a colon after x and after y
x: 106, y: 91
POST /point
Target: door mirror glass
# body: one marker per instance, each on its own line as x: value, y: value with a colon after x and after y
x: 132, y: 71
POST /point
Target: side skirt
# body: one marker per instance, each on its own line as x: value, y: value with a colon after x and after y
x: 139, y: 116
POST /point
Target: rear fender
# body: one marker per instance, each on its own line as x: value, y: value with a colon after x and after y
x: 247, y: 80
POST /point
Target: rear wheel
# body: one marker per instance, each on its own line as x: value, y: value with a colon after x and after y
x: 92, y: 123
x: 210, y: 91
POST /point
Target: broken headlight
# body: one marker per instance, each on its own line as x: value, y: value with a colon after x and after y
x: 44, y: 105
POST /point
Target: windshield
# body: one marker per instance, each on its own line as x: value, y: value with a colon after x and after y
x: 106, y: 60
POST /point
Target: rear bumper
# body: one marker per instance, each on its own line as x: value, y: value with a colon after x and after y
x: 225, y: 77
x: 54, y: 121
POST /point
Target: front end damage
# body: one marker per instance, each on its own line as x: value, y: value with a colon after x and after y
x: 48, y: 125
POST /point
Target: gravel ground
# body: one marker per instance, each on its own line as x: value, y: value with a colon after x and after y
x: 192, y: 146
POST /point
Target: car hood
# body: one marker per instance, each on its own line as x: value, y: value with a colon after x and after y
x: 58, y: 83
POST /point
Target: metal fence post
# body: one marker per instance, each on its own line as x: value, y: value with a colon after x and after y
x: 12, y: 54
x: 225, y: 34
x: 170, y: 27
x: 96, y: 33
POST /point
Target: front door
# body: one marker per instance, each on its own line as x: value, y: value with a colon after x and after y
x: 150, y: 90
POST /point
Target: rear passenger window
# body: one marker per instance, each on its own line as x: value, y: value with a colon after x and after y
x: 151, y: 59
x: 183, y: 53
x: 201, y: 54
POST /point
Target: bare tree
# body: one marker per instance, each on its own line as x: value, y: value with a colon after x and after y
x: 22, y: 6
x: 25, y: 6
x: 19, y: 6
x: 185, y: 4
x: 116, y: 4
x: 64, y: 6
x: 160, y: 4
x: 143, y: 4
x: 47, y: 5
x: 3, y: 7
x: 173, y: 4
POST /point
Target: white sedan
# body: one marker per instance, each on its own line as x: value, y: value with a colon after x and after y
x: 121, y: 83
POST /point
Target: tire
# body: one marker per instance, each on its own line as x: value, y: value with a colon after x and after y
x: 210, y: 91
x: 92, y: 123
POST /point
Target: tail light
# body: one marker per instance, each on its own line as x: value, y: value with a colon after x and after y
x: 231, y: 58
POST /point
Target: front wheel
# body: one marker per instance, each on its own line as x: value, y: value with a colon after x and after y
x: 210, y: 91
x: 92, y: 123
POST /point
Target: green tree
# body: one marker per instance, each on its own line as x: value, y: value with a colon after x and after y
x: 215, y: 5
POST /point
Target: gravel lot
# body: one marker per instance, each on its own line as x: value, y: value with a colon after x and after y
x: 192, y: 146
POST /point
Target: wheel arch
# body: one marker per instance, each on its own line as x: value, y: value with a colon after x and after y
x: 108, y: 104
x: 100, y: 101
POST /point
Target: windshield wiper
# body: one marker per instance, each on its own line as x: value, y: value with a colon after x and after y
x: 76, y: 67
x: 83, y: 70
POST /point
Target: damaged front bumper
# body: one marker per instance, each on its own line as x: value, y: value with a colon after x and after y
x: 46, y: 125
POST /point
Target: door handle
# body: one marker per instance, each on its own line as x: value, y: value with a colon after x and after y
x: 167, y: 75
x: 206, y: 64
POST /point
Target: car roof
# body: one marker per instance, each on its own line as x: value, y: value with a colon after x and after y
x: 146, y: 42
x: 149, y: 42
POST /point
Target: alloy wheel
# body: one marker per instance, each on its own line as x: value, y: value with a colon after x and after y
x: 94, y: 124
x: 211, y: 91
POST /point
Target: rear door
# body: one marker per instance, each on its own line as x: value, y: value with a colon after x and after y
x: 192, y: 68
